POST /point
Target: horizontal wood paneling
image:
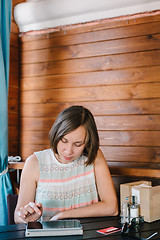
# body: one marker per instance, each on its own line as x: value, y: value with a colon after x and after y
x: 13, y: 79
x: 103, y: 108
x: 13, y: 99
x: 93, y: 49
x: 14, y: 66
x: 136, y: 154
x: 130, y: 91
x: 114, y: 154
x: 13, y: 92
x: 129, y: 122
x: 135, y: 122
x: 92, y: 36
x: 102, y: 63
x: 13, y: 105
x: 14, y: 53
x: 16, y: 165
x: 14, y: 28
x: 146, y: 165
x: 13, y: 118
x: 111, y: 67
x: 13, y: 147
x: 13, y: 132
x: 28, y: 149
x: 107, y: 138
x: 14, y: 40
x: 152, y: 173
x: 130, y: 138
x: 96, y: 26
x: 101, y: 78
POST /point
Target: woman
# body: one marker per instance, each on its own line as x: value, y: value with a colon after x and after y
x: 71, y: 179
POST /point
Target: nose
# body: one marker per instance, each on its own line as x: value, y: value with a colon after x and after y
x: 69, y: 149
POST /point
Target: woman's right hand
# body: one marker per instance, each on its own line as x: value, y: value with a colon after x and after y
x: 30, y: 212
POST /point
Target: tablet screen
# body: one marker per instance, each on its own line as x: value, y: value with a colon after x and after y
x: 54, y: 224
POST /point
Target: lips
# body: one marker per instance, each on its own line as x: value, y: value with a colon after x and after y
x: 67, y: 158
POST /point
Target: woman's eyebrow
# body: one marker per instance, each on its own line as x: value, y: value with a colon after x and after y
x: 80, y: 141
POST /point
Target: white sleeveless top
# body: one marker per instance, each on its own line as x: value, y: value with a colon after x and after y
x: 64, y: 186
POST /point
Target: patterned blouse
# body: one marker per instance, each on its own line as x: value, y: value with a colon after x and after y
x: 64, y: 186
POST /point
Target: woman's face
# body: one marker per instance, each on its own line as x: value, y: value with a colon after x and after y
x: 71, y: 146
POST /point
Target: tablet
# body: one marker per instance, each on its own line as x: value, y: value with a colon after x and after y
x: 54, y: 228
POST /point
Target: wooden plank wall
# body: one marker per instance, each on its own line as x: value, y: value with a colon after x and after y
x: 111, y: 67
x: 13, y: 98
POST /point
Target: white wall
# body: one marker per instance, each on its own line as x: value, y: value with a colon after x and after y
x: 43, y: 14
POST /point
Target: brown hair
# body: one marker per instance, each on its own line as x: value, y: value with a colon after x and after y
x: 70, y: 119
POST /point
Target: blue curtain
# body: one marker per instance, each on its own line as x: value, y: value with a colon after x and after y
x: 5, y: 183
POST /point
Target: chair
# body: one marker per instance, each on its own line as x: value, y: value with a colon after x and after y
x: 11, y: 204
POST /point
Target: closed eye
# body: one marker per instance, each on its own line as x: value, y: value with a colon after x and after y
x: 78, y: 144
x: 64, y: 140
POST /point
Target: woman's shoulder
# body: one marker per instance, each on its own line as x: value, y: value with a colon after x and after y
x: 42, y: 152
x: 31, y: 161
x: 100, y: 159
x: 33, y: 158
x: 31, y: 167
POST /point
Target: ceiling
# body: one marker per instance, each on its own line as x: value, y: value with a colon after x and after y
x: 43, y: 14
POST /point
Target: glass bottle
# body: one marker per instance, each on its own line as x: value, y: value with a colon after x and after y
x: 134, y: 210
x: 125, y: 211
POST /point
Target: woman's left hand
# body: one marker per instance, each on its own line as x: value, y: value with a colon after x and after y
x: 30, y: 212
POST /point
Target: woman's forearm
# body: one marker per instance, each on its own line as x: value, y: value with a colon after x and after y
x: 94, y: 210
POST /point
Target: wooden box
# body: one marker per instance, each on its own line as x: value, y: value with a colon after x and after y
x: 126, y: 189
x: 148, y: 198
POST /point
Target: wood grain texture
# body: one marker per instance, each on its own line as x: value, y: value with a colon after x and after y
x: 13, y: 97
x: 13, y: 118
x: 115, y: 155
x: 13, y: 147
x: 136, y: 154
x: 99, y: 63
x: 95, y: 26
x: 139, y: 172
x: 107, y: 138
x: 115, y: 92
x: 13, y: 105
x: 16, y: 165
x: 130, y: 138
x: 99, y: 78
x: 91, y: 36
x: 112, y: 68
x: 102, y: 108
x: 110, y: 47
x: 129, y: 122
x: 13, y: 132
x: 13, y: 79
